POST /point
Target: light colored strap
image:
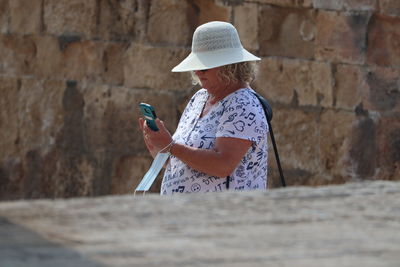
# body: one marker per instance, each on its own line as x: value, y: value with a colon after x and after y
x: 152, y: 173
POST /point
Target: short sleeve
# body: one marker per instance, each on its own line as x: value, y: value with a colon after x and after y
x: 243, y: 118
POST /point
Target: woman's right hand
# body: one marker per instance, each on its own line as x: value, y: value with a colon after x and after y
x: 149, y: 146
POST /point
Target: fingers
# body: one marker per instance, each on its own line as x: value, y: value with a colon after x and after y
x: 144, y: 127
x: 140, y: 121
x: 159, y: 123
x: 149, y: 132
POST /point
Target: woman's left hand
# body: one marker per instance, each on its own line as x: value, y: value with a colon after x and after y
x: 158, y: 139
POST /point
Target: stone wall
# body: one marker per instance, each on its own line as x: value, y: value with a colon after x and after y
x: 72, y: 73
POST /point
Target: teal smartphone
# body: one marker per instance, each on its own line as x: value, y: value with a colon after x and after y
x: 149, y: 115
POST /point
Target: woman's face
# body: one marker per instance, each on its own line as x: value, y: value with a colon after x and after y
x: 210, y: 80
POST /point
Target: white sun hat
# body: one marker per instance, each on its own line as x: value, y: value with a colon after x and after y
x: 214, y: 44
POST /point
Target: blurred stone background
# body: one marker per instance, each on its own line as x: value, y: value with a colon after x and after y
x: 72, y: 73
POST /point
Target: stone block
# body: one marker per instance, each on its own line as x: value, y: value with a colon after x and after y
x: 326, y: 4
x: 11, y: 173
x: 363, y: 149
x: 341, y: 37
x: 388, y: 143
x: 297, y: 136
x: 72, y: 59
x: 17, y: 54
x: 117, y: 20
x: 49, y: 57
x: 166, y: 16
x: 113, y: 69
x: 110, y: 119
x: 335, y: 130
x: 273, y: 81
x: 390, y: 7
x: 86, y: 169
x: 351, y: 86
x: 320, y: 90
x: 286, y: 3
x: 70, y: 17
x: 83, y: 60
x: 301, y: 82
x: 383, y: 89
x: 361, y: 5
x: 246, y: 23
x: 349, y: 5
x: 150, y: 67
x: 293, y: 176
x: 312, y: 82
x: 384, y: 41
x: 209, y: 10
x: 9, y: 134
x: 122, y: 20
x: 40, y: 113
x: 26, y: 16
x: 4, y: 16
x: 286, y: 32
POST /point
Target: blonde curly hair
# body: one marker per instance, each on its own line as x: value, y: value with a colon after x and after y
x: 238, y: 72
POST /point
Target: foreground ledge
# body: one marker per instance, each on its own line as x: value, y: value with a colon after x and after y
x: 348, y: 225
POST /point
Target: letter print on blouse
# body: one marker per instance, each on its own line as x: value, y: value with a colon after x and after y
x: 238, y: 115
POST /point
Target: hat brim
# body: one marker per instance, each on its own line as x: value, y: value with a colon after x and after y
x: 209, y: 60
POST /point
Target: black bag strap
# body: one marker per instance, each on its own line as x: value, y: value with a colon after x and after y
x: 268, y: 114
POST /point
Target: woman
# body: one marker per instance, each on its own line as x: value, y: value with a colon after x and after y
x: 221, y: 139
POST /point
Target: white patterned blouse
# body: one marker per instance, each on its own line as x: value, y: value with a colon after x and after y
x: 238, y: 115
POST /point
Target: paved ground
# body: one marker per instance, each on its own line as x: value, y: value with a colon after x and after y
x: 347, y: 225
